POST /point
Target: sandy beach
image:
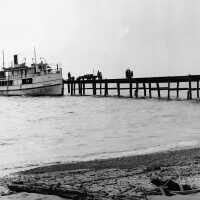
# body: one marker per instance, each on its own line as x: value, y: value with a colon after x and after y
x: 115, y: 178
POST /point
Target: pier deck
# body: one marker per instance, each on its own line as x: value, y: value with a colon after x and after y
x: 147, y: 85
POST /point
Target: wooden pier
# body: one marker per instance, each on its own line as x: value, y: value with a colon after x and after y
x: 138, y: 87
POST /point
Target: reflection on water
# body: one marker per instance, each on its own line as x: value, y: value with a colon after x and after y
x: 39, y: 130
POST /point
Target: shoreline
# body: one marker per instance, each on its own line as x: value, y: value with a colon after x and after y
x: 164, y: 158
x: 114, y: 178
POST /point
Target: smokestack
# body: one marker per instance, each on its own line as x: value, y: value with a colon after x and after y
x: 15, y: 60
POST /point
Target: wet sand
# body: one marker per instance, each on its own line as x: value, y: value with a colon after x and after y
x: 30, y: 196
x: 118, y: 178
x: 146, y: 161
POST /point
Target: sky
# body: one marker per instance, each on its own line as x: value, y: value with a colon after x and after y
x: 152, y: 37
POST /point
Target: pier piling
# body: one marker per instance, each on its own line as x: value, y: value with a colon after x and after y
x: 79, y: 88
x: 106, y: 89
x: 136, y: 90
x: 118, y: 89
x: 190, y: 90
x: 130, y: 89
x: 158, y: 89
x: 83, y: 88
x: 144, y: 87
x: 74, y: 87
x: 94, y: 87
x: 68, y: 88
x: 100, y: 88
x: 72, y: 90
x: 177, y: 90
x: 150, y: 96
x: 168, y: 96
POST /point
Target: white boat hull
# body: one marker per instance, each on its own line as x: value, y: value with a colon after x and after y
x: 51, y: 90
x: 46, y: 85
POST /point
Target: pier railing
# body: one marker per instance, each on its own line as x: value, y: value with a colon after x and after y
x: 146, y: 85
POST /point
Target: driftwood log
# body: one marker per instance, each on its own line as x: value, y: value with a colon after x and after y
x: 69, y: 193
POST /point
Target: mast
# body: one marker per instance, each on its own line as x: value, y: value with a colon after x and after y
x: 3, y: 59
x: 35, y: 56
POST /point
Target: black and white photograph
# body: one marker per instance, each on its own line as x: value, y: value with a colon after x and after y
x: 99, y: 99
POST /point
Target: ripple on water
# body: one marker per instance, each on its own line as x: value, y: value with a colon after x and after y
x: 35, y: 131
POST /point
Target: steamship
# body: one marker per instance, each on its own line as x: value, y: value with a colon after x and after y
x: 38, y: 79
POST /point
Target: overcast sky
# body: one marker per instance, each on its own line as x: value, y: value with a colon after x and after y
x: 154, y: 37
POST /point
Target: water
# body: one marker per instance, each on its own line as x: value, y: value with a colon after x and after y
x: 35, y: 131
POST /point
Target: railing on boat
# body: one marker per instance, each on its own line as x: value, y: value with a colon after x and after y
x: 52, y: 71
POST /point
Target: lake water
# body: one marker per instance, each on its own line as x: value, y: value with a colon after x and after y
x: 35, y: 131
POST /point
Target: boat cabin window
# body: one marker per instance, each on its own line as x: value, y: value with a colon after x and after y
x: 6, y: 83
x: 27, y: 81
x: 2, y: 74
